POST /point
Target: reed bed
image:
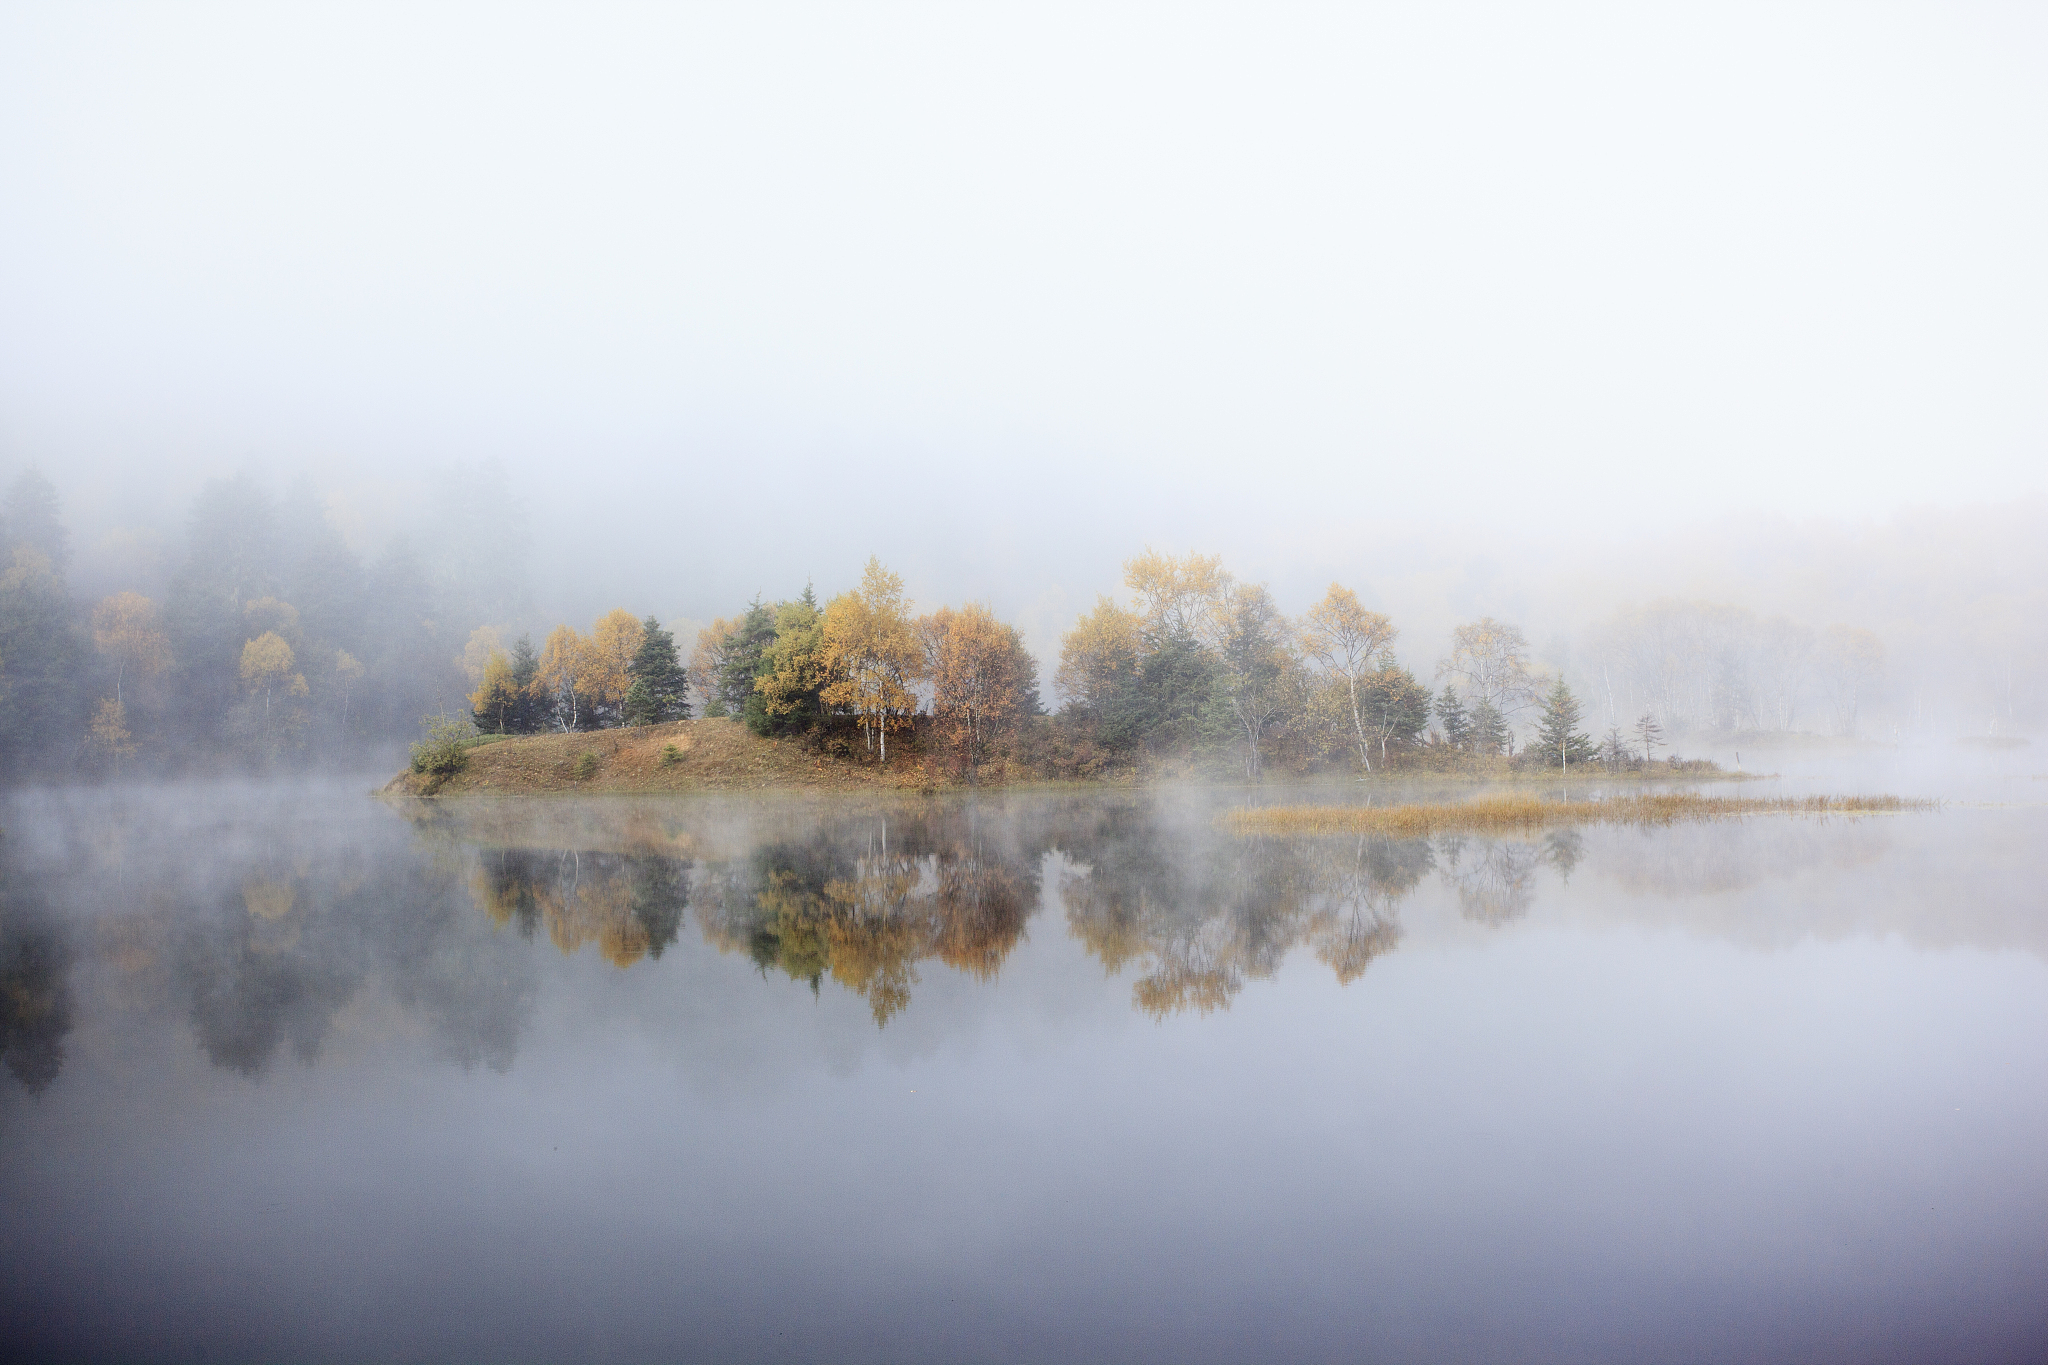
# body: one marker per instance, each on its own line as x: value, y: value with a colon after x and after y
x: 1515, y: 813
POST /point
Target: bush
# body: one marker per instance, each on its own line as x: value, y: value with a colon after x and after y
x: 586, y: 765
x: 671, y: 754
x: 442, y: 752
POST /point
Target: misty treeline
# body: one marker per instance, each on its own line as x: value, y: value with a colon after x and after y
x: 1201, y: 665
x: 259, y: 639
x: 845, y: 673
x: 1199, y: 671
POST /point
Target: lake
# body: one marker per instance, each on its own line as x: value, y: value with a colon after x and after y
x: 295, y: 1073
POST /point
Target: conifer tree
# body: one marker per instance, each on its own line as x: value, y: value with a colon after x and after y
x: 659, y: 690
x: 1489, y: 732
x: 1649, y: 734
x: 1450, y: 715
x: 529, y: 708
x: 1560, y: 729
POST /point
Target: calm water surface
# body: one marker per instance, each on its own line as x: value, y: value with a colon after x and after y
x: 295, y: 1074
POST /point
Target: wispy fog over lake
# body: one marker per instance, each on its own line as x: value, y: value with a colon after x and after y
x: 297, y: 1074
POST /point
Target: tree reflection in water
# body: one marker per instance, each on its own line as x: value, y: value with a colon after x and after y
x: 866, y: 901
x: 1197, y: 916
x: 630, y: 905
x: 35, y: 985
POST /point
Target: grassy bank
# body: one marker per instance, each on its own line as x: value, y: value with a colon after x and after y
x: 682, y: 756
x: 1516, y: 813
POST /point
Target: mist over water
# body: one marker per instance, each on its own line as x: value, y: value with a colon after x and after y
x: 826, y: 513
x: 1072, y: 1074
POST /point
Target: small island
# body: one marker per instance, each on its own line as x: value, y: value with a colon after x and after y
x: 1200, y: 679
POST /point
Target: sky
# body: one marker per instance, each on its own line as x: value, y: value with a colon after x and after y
x: 737, y: 295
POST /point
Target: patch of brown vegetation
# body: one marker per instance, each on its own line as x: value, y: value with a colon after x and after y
x: 1517, y: 813
x: 712, y: 755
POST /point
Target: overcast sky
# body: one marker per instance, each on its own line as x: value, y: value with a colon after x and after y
x: 1029, y: 287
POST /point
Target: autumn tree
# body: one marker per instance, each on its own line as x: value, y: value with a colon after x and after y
x: 494, y: 705
x: 795, y: 670
x: 1099, y: 657
x: 979, y: 672
x: 108, y: 736
x: 614, y: 641
x: 127, y: 629
x: 873, y: 655
x: 1176, y: 596
x: 269, y: 668
x: 560, y: 675
x: 1347, y: 641
x: 659, y: 690
x: 1491, y: 658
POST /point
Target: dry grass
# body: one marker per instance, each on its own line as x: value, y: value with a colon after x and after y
x: 681, y: 756
x: 1517, y: 813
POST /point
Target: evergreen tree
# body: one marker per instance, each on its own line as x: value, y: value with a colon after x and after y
x: 1649, y: 734
x: 1451, y: 717
x: 1489, y: 733
x: 529, y: 707
x: 742, y: 661
x: 660, y: 688
x: 1559, y: 732
x: 1396, y: 707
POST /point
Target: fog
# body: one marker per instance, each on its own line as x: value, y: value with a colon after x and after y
x: 1479, y: 312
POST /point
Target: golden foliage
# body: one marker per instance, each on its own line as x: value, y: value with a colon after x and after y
x: 484, y: 644
x: 495, y: 693
x: 127, y: 629
x: 1100, y: 653
x: 267, y: 662
x: 614, y: 640
x: 1347, y: 641
x: 562, y: 668
x: 108, y: 734
x: 795, y: 662
x: 1176, y: 595
x: 975, y: 664
x: 872, y: 654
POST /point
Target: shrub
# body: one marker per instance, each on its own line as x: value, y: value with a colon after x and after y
x: 442, y: 751
x: 586, y: 765
x: 671, y: 754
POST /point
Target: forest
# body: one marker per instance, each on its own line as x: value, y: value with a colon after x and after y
x: 269, y: 644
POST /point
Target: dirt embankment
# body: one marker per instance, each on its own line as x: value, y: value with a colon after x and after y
x: 710, y: 755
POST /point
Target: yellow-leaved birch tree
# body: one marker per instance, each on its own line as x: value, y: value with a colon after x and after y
x: 1347, y: 641
x: 873, y: 656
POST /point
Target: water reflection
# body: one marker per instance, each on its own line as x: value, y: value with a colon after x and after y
x: 630, y: 906
x: 35, y: 985
x: 1195, y: 917
x: 291, y: 923
x: 865, y: 902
